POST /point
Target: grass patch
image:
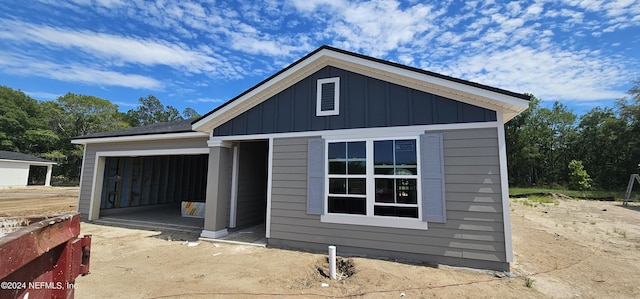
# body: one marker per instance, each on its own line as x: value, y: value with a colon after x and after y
x: 528, y: 282
x: 588, y: 194
x: 527, y: 203
x: 621, y: 232
x: 542, y: 199
x: 535, y: 200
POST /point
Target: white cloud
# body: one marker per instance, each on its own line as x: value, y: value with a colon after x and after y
x: 28, y: 66
x: 251, y: 42
x: 109, y: 46
x: 620, y: 13
x: 550, y: 75
x: 514, y: 8
x: 536, y: 46
x: 373, y: 27
x: 109, y: 3
x: 42, y: 95
x: 206, y: 100
x: 125, y: 104
x: 244, y: 28
x: 535, y: 9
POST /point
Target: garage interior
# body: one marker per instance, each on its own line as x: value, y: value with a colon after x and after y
x: 149, y: 190
x: 37, y: 175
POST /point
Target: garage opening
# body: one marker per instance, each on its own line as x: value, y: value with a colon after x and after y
x: 37, y: 175
x: 155, y: 190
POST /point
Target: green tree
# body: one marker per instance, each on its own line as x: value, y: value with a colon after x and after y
x: 629, y: 111
x: 578, y: 177
x: 85, y: 114
x: 602, y: 146
x: 151, y: 111
x: 562, y: 123
x: 520, y: 151
x: 540, y: 141
x: 22, y: 124
x: 190, y: 113
x: 74, y: 115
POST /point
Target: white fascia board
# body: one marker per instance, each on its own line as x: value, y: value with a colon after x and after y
x: 156, y: 152
x: 514, y: 105
x: 140, y: 138
x: 36, y: 163
x: 259, y: 94
x: 219, y: 143
x: 360, y: 132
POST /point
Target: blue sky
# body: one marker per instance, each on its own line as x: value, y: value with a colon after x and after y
x: 199, y: 54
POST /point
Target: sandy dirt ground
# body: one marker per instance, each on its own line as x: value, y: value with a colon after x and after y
x: 571, y: 249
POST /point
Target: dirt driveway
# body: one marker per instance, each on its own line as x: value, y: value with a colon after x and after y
x: 571, y: 249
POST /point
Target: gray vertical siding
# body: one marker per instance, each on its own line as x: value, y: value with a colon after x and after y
x: 472, y: 236
x: 89, y: 163
x: 365, y: 102
x: 252, y: 183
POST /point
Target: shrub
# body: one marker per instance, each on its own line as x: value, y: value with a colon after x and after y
x: 579, y: 179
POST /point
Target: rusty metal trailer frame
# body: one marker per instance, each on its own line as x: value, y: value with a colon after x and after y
x: 43, y: 259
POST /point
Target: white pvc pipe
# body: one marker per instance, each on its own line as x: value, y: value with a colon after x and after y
x: 332, y: 262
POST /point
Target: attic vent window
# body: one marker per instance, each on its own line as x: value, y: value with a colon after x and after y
x: 328, y: 101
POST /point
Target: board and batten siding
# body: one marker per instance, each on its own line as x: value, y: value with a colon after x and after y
x: 89, y: 163
x: 365, y: 102
x: 473, y: 234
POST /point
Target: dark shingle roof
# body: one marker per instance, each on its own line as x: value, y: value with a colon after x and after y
x: 5, y: 155
x: 179, y: 126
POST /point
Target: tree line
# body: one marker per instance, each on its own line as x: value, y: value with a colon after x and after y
x: 604, y: 143
x: 545, y: 146
x: 45, y: 128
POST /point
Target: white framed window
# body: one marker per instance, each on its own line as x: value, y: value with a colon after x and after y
x: 395, y: 165
x: 347, y: 177
x: 377, y: 178
x: 328, y: 97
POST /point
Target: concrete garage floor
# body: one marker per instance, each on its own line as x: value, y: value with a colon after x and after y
x: 164, y: 217
x: 168, y: 218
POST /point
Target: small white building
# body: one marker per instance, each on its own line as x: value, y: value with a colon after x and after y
x: 14, y: 168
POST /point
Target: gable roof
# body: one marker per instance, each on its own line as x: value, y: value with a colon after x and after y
x: 6, y: 155
x: 507, y: 102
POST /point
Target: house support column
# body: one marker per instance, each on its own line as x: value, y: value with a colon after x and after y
x: 47, y: 180
x: 218, y: 190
